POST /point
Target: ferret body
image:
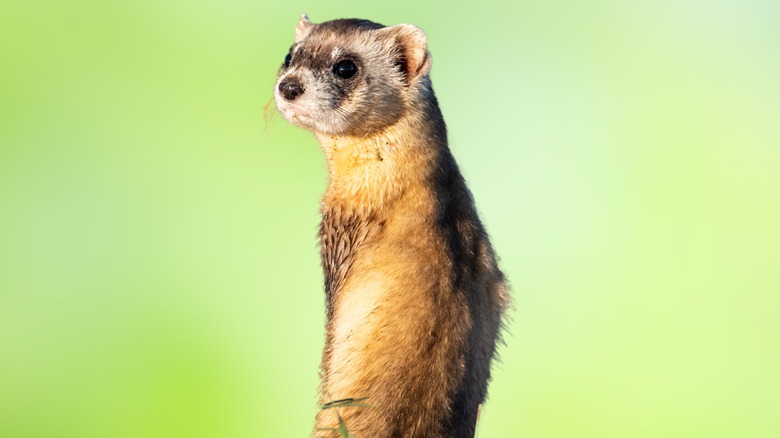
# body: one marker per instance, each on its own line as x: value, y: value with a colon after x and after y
x: 414, y: 295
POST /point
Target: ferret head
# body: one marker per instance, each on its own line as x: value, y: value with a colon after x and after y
x: 351, y: 77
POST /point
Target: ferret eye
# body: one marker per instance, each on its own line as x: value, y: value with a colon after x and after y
x: 287, y: 60
x: 345, y: 69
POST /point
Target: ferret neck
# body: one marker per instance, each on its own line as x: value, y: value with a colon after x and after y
x: 368, y: 172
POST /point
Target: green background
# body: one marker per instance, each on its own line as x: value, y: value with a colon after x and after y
x: 159, y: 275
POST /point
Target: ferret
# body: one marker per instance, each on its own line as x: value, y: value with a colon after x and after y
x: 415, y: 299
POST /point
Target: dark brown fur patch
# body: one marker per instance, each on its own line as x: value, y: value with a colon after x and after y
x: 346, y: 25
x: 341, y: 233
x: 469, y: 250
x: 467, y: 246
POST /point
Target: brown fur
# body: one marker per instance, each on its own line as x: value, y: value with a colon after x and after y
x: 414, y: 295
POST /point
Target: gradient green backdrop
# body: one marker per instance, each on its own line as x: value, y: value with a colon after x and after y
x: 159, y: 275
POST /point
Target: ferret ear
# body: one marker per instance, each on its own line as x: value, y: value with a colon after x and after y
x: 303, y: 28
x: 412, y: 45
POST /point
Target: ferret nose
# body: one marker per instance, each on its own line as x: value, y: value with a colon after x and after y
x: 290, y: 90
